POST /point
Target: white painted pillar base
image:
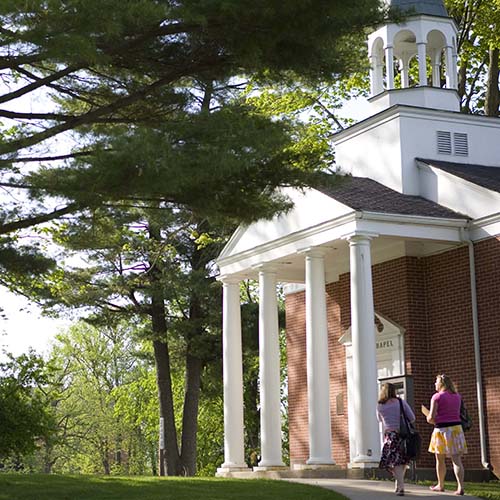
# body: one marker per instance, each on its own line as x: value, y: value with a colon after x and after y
x: 367, y: 453
x: 318, y: 372
x: 234, y: 455
x: 269, y: 371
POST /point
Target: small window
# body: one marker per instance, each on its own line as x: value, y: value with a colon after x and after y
x: 461, y: 144
x: 443, y: 142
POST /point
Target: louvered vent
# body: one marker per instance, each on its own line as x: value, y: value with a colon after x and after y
x: 443, y: 142
x: 461, y: 144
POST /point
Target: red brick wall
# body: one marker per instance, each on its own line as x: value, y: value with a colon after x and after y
x: 338, y: 374
x: 451, y: 342
x: 488, y: 295
x: 430, y: 299
x: 297, y: 377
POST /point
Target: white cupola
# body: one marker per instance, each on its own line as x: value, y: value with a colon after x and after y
x: 424, y: 46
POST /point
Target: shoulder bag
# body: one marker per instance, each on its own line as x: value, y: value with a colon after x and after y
x: 411, y: 442
x: 465, y: 419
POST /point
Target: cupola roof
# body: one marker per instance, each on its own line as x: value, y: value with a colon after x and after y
x: 429, y: 7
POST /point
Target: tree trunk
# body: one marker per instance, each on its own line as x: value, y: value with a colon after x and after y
x: 194, y: 363
x: 190, y: 414
x: 462, y: 78
x: 48, y: 462
x: 169, y: 458
x: 118, y: 450
x: 154, y: 463
x: 492, y: 90
x: 105, y: 457
x: 169, y: 455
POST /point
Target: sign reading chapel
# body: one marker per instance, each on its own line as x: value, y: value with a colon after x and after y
x: 389, y: 345
x: 383, y: 344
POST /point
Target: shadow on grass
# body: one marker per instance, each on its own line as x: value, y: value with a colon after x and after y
x: 54, y: 487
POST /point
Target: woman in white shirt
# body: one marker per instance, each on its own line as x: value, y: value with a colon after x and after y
x: 388, y: 412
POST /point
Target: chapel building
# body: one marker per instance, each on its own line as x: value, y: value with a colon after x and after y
x: 392, y: 274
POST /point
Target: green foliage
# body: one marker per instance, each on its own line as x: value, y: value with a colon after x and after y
x: 92, y: 370
x: 120, y: 256
x: 204, y: 162
x: 129, y: 79
x: 100, y: 406
x: 210, y: 432
x: 125, y: 268
x: 105, y: 59
x: 478, y: 24
x: 24, y: 416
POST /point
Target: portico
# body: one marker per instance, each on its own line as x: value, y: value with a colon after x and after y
x: 310, y: 247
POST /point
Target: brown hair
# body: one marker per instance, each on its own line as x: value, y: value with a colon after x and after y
x: 446, y: 383
x: 387, y: 391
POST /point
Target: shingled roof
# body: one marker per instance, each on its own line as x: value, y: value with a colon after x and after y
x: 429, y: 7
x: 361, y: 193
x: 487, y: 177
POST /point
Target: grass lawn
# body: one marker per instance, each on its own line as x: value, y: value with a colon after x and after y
x: 53, y: 487
x: 490, y: 490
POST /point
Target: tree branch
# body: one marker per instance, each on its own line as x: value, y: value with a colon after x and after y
x: 58, y: 88
x: 14, y: 62
x: 28, y: 159
x: 40, y: 82
x: 13, y: 115
x: 38, y: 219
x: 330, y: 114
x: 96, y: 114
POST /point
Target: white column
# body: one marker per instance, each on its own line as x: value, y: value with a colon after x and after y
x: 389, y: 64
x: 269, y: 371
x: 436, y: 74
x: 454, y: 69
x: 404, y: 66
x: 436, y: 68
x: 422, y: 64
x: 376, y: 76
x: 451, y: 68
x: 318, y: 372
x: 373, y: 83
x: 234, y: 456
x: 366, y: 427
x: 380, y: 74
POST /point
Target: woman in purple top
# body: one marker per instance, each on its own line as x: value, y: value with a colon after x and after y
x: 448, y: 436
x: 388, y: 412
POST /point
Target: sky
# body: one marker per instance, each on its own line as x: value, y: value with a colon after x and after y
x: 22, y: 327
x: 358, y: 109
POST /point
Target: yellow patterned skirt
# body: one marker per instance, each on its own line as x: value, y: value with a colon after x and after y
x: 448, y: 441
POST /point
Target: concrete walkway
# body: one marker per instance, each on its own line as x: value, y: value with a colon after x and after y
x: 365, y: 489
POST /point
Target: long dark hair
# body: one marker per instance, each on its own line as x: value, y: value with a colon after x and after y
x: 387, y: 391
